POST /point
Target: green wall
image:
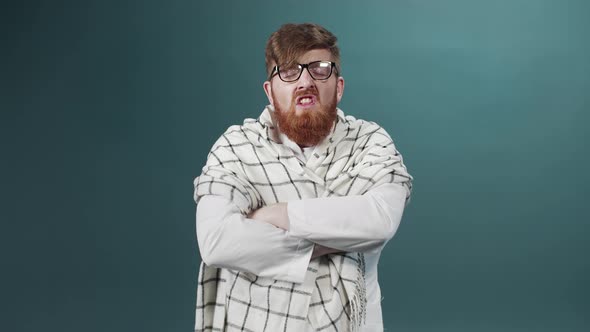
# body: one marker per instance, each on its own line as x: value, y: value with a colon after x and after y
x: 109, y: 108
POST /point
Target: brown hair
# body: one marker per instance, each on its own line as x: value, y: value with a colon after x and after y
x: 290, y: 41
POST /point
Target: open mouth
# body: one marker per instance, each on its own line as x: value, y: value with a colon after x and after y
x: 306, y: 100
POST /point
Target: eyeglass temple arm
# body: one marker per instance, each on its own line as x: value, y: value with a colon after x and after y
x: 272, y: 73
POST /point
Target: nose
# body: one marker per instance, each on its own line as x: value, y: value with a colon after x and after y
x: 305, y: 81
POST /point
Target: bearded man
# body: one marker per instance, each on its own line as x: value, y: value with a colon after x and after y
x: 294, y: 208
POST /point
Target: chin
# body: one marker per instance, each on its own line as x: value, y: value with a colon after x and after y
x: 307, y: 126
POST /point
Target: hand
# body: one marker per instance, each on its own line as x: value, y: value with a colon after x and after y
x: 275, y: 214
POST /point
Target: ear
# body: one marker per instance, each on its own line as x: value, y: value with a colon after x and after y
x: 268, y: 90
x: 339, y: 88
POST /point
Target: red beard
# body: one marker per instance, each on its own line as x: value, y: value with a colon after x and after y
x: 311, y: 126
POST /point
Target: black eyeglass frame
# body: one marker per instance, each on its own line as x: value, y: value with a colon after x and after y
x: 302, y: 66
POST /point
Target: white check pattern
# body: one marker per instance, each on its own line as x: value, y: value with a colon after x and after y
x: 250, y: 166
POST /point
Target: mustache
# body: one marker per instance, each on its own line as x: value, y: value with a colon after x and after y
x: 300, y: 93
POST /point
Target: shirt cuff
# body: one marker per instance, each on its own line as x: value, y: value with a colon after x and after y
x: 297, y: 267
x: 297, y: 220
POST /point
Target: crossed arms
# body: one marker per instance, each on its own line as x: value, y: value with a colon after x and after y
x: 278, y: 240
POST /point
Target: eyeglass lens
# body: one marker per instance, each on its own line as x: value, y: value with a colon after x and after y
x: 319, y: 70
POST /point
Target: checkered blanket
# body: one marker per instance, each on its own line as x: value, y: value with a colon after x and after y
x: 249, y: 166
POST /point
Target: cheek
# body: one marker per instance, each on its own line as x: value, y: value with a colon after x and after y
x: 283, y: 97
x: 329, y: 94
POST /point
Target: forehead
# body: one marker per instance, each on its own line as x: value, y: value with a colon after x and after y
x: 315, y: 55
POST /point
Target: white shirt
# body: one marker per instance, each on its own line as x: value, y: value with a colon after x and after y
x: 361, y: 223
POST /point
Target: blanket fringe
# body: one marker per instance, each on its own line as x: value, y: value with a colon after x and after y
x: 358, y: 302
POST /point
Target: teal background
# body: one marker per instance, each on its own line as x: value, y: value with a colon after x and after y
x: 108, y: 109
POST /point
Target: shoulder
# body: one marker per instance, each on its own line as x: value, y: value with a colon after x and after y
x: 247, y: 133
x: 239, y: 140
x: 359, y: 129
x: 251, y: 131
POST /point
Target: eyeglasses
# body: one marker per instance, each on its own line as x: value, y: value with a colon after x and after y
x: 318, y: 70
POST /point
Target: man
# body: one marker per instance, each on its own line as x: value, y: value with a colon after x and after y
x: 295, y: 207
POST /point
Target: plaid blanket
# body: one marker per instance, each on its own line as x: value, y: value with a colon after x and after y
x: 249, y: 166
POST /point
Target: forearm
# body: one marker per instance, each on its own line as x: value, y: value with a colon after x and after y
x: 228, y: 239
x: 351, y: 223
x: 276, y: 215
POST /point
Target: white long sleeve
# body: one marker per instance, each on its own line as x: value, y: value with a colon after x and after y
x: 228, y: 239
x: 353, y: 223
x: 361, y: 223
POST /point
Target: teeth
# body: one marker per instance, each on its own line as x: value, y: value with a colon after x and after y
x: 305, y: 100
